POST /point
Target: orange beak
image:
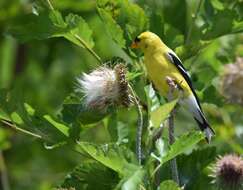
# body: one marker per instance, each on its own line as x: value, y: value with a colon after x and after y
x: 134, y: 45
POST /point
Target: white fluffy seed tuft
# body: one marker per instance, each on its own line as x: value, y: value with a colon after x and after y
x: 100, y: 88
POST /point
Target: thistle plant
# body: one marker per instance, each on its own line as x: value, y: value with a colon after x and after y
x: 232, y: 86
x: 105, y: 87
x: 228, y: 172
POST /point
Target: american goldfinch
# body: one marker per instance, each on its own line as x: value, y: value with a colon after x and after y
x: 162, y: 63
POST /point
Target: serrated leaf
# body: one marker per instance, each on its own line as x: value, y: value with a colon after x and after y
x: 178, y: 20
x: 89, y: 176
x: 27, y: 118
x: 78, y: 112
x: 50, y: 24
x: 78, y: 26
x: 191, y: 168
x: 160, y: 114
x: 134, y: 181
x: 74, y: 111
x: 187, y: 51
x: 183, y: 143
x: 169, y: 185
x: 193, y: 177
x: 127, y: 15
x: 118, y: 130
x: 114, y: 29
x: 220, y: 27
x: 61, y: 127
x: 110, y: 155
x: 152, y: 98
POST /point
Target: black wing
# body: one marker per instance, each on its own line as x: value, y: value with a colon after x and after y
x: 177, y: 62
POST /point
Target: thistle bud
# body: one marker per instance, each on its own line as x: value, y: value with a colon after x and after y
x: 105, y: 87
x: 228, y: 173
x: 231, y: 85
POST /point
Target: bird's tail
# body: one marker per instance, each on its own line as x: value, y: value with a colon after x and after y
x: 198, y: 115
x: 205, y: 127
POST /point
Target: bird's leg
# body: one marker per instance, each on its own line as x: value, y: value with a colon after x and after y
x: 173, y: 85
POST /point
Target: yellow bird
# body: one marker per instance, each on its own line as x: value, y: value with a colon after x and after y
x: 163, y: 64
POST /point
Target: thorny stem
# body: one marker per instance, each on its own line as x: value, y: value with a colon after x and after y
x: 13, y: 126
x: 4, y: 174
x: 193, y: 21
x: 139, y: 127
x: 173, y: 164
x: 88, y: 48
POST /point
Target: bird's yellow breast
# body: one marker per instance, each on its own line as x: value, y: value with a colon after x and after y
x: 158, y: 68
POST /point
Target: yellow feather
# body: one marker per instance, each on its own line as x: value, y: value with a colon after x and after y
x: 161, y: 63
x: 158, y: 64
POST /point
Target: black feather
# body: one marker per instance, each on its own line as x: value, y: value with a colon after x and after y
x: 177, y: 62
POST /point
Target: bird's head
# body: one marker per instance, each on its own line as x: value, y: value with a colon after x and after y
x: 146, y: 40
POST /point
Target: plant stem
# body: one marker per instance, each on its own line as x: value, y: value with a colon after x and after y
x: 50, y: 5
x: 88, y: 48
x: 157, y: 163
x: 194, y: 16
x: 4, y: 174
x: 13, y: 126
x: 139, y: 127
x: 173, y: 165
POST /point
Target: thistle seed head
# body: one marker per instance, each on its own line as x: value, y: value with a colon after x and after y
x: 124, y: 95
x: 231, y: 85
x: 104, y: 87
x: 228, y: 172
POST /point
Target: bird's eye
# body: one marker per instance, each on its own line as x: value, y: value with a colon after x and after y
x: 137, y: 39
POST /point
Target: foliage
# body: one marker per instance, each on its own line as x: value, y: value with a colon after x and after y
x: 46, y: 45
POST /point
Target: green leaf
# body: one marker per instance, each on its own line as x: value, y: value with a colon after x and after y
x: 74, y: 111
x: 160, y: 114
x: 187, y: 51
x: 89, y: 176
x: 16, y: 118
x: 78, y: 112
x: 4, y: 139
x: 153, y: 101
x: 27, y: 118
x: 110, y: 155
x: 118, y: 130
x: 61, y: 127
x: 192, y: 167
x: 77, y: 26
x: 49, y: 24
x: 183, y: 143
x: 129, y: 16
x: 169, y: 185
x: 134, y: 181
x: 114, y: 29
x: 4, y: 116
x: 176, y: 20
x: 219, y: 27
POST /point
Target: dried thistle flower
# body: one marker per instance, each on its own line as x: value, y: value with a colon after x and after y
x: 228, y: 172
x: 105, y: 87
x: 231, y: 85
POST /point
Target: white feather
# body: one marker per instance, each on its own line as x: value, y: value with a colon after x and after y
x: 191, y: 103
x: 208, y: 133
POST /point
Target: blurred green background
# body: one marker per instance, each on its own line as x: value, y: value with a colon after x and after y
x: 43, y: 72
